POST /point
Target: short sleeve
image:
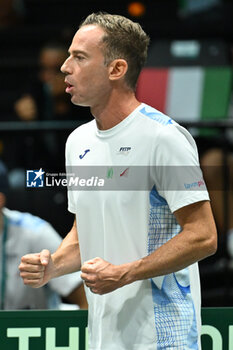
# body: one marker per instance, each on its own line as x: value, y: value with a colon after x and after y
x: 177, y: 174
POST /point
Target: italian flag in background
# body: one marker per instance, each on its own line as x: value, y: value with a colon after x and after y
x: 187, y: 93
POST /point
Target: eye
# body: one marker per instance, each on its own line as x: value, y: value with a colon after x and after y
x: 79, y: 57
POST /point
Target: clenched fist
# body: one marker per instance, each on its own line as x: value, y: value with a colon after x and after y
x: 102, y: 277
x: 36, y: 269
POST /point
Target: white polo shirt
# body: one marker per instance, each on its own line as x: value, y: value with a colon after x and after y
x: 127, y: 224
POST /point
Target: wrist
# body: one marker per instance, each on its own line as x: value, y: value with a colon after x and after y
x: 129, y: 272
x: 54, y: 270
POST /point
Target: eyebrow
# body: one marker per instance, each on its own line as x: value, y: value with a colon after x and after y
x: 75, y: 52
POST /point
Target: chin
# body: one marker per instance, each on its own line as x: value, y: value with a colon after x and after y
x: 74, y: 101
x: 80, y: 103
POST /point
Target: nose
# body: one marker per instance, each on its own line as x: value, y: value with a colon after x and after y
x: 66, y: 67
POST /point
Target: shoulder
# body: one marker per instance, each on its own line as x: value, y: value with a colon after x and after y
x: 163, y: 128
x: 155, y: 123
x: 26, y: 223
x: 30, y: 233
x: 154, y: 116
x: 26, y: 220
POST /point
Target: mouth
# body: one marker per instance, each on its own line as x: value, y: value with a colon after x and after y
x: 69, y: 87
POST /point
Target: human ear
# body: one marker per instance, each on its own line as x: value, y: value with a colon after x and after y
x: 117, y: 69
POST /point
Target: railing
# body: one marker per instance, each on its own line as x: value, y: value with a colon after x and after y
x: 221, y: 124
x: 39, y: 126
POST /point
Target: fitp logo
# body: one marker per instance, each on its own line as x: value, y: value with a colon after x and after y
x: 35, y: 178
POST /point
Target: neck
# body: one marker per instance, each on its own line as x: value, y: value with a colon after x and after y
x: 117, y: 108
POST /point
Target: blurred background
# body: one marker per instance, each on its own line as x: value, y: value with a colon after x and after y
x: 188, y: 75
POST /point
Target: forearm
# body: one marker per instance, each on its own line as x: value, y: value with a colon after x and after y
x: 173, y: 256
x: 197, y: 240
x: 67, y: 257
x: 181, y: 251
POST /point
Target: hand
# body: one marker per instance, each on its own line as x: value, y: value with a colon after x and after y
x: 102, y: 277
x: 36, y: 269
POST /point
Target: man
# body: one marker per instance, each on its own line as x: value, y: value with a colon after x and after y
x: 21, y: 233
x: 141, y: 276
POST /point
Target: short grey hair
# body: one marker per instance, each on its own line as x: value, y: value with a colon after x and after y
x: 123, y: 39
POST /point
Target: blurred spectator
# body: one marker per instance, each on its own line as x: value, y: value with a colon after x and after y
x: 41, y: 98
x: 44, y: 98
x: 22, y: 233
x: 213, y: 161
x: 220, y: 184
